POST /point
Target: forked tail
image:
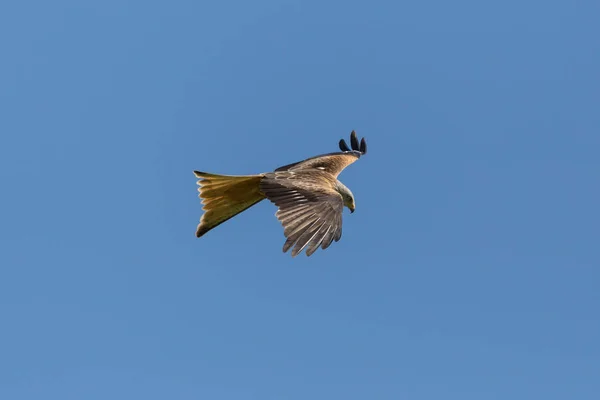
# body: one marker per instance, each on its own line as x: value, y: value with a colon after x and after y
x: 225, y: 196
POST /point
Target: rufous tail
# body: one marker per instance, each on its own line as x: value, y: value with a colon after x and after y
x: 225, y: 196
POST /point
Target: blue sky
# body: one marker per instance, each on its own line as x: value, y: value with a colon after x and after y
x: 470, y: 269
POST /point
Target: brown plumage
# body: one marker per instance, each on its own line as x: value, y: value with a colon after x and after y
x: 309, y: 197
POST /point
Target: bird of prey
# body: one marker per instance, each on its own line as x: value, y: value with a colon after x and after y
x: 309, y: 197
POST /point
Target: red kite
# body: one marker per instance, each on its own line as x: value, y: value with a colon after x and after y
x: 309, y: 197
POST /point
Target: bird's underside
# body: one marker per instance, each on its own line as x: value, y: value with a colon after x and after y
x: 309, y: 198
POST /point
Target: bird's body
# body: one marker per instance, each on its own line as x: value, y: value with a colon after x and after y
x: 308, y: 194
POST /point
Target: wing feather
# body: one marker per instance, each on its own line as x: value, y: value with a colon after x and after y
x: 309, y: 210
x: 306, y: 237
x: 316, y: 243
x: 354, y: 141
x: 318, y: 239
x: 328, y: 238
x: 333, y: 163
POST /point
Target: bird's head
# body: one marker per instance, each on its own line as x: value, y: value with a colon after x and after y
x: 347, y: 196
x: 351, y: 206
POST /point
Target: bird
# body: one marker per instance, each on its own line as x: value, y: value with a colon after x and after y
x: 309, y: 197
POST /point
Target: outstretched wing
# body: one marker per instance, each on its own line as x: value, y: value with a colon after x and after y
x: 309, y: 209
x: 333, y: 163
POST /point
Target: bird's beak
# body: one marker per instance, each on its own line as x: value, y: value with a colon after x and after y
x: 351, y: 210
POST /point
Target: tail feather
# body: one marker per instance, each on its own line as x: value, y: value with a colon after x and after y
x: 225, y: 196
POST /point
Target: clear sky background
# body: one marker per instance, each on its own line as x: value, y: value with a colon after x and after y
x: 470, y: 269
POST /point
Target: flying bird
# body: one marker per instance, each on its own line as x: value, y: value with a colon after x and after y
x: 309, y: 197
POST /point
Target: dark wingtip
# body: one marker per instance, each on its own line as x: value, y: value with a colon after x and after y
x: 363, y: 146
x: 343, y: 145
x: 354, y: 141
